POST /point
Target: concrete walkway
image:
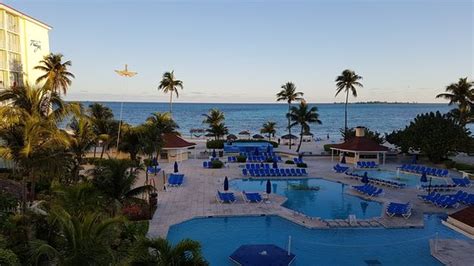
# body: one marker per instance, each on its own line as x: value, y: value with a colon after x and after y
x: 197, y: 198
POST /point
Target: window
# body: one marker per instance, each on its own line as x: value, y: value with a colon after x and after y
x: 12, y: 23
x: 15, y: 79
x: 15, y: 62
x: 3, y: 79
x: 3, y: 59
x: 13, y: 42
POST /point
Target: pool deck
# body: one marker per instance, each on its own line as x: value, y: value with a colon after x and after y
x: 452, y: 252
x: 197, y: 198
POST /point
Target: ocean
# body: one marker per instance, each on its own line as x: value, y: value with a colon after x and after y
x: 380, y: 117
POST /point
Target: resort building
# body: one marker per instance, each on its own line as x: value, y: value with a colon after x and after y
x: 24, y: 41
x: 175, y: 148
x: 360, y: 149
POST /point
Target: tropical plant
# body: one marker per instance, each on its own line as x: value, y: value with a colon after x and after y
x: 215, y: 120
x: 289, y: 94
x: 78, y: 199
x: 269, y: 128
x: 7, y: 256
x: 82, y: 139
x: 347, y: 82
x: 445, y: 136
x: 160, y: 252
x: 169, y: 84
x: 118, y: 182
x: 303, y: 116
x: 104, y: 126
x: 83, y: 240
x: 131, y: 141
x: 462, y: 94
x: 56, y: 73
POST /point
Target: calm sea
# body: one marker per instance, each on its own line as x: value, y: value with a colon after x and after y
x: 238, y: 117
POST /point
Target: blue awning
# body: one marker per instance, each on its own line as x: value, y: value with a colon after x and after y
x: 262, y: 255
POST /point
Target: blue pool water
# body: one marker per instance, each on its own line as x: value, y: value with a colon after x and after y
x: 411, y: 180
x: 248, y: 147
x: 220, y: 237
x: 329, y: 202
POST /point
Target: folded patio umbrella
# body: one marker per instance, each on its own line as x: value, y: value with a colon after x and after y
x: 343, y: 160
x: 269, y: 186
x: 423, y: 178
x: 365, y: 178
x: 226, y: 184
x: 176, y: 167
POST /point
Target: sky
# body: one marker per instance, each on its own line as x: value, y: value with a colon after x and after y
x: 243, y: 51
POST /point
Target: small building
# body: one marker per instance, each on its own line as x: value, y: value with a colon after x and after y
x: 462, y: 221
x: 286, y: 139
x: 175, y: 148
x: 360, y: 149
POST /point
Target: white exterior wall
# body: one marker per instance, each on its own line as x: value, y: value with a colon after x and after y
x: 34, y: 35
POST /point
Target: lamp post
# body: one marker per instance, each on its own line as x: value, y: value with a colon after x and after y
x: 127, y: 74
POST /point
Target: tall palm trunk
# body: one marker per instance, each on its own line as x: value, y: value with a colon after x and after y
x: 289, y: 128
x: 301, y: 140
x: 171, y: 102
x: 345, y: 116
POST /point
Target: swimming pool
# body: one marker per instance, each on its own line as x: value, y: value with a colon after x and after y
x: 249, y: 146
x: 220, y: 237
x: 329, y: 202
x: 410, y: 180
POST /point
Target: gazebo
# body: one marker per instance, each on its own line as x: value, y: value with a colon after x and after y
x: 286, y: 138
x: 360, y: 148
x: 175, y: 148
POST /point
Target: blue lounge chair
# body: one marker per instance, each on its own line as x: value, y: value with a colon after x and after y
x: 303, y: 171
x: 244, y: 172
x: 399, y: 209
x: 252, y: 197
x: 225, y: 197
x: 175, y: 180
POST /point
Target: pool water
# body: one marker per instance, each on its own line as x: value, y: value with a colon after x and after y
x: 248, y: 147
x: 328, y: 202
x: 411, y: 180
x: 220, y: 237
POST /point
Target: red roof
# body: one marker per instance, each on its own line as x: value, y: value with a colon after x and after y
x: 360, y: 144
x: 465, y: 216
x: 173, y: 141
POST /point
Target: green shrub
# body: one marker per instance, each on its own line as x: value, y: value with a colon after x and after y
x: 327, y: 147
x: 216, y: 164
x: 302, y: 165
x: 464, y: 167
x: 449, y: 164
x: 7, y: 257
x: 215, y: 144
x: 289, y: 162
x: 241, y: 159
x: 269, y: 160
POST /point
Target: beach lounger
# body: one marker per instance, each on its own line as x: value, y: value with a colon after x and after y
x: 225, y: 197
x: 303, y: 171
x: 399, y: 209
x: 244, y: 172
x: 252, y: 197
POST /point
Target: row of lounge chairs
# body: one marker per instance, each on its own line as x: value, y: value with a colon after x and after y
x: 175, y: 180
x: 232, y: 159
x: 249, y: 166
x: 369, y: 190
x: 442, y: 187
x: 461, y: 182
x: 448, y: 201
x: 297, y: 160
x: 248, y: 197
x: 266, y: 154
x: 371, y: 164
x: 207, y: 164
x: 419, y: 169
x: 340, y: 169
x: 275, y: 172
x: 399, y: 209
x: 377, y: 181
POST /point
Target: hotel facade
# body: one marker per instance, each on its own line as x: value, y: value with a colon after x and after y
x: 24, y: 41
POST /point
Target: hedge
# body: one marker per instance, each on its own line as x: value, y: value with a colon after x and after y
x: 302, y: 165
x: 216, y: 164
x: 241, y: 159
x: 215, y: 144
x: 289, y: 162
x: 327, y: 147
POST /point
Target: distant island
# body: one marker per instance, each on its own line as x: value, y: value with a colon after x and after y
x: 377, y: 102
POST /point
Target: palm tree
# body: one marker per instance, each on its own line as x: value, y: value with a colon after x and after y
x: 131, y: 141
x: 83, y: 240
x: 268, y: 128
x: 56, y: 73
x: 102, y: 119
x: 215, y: 119
x: 169, y: 84
x: 82, y: 139
x: 117, y: 181
x: 289, y: 94
x: 303, y: 115
x: 462, y: 94
x: 160, y: 252
x: 347, y: 82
